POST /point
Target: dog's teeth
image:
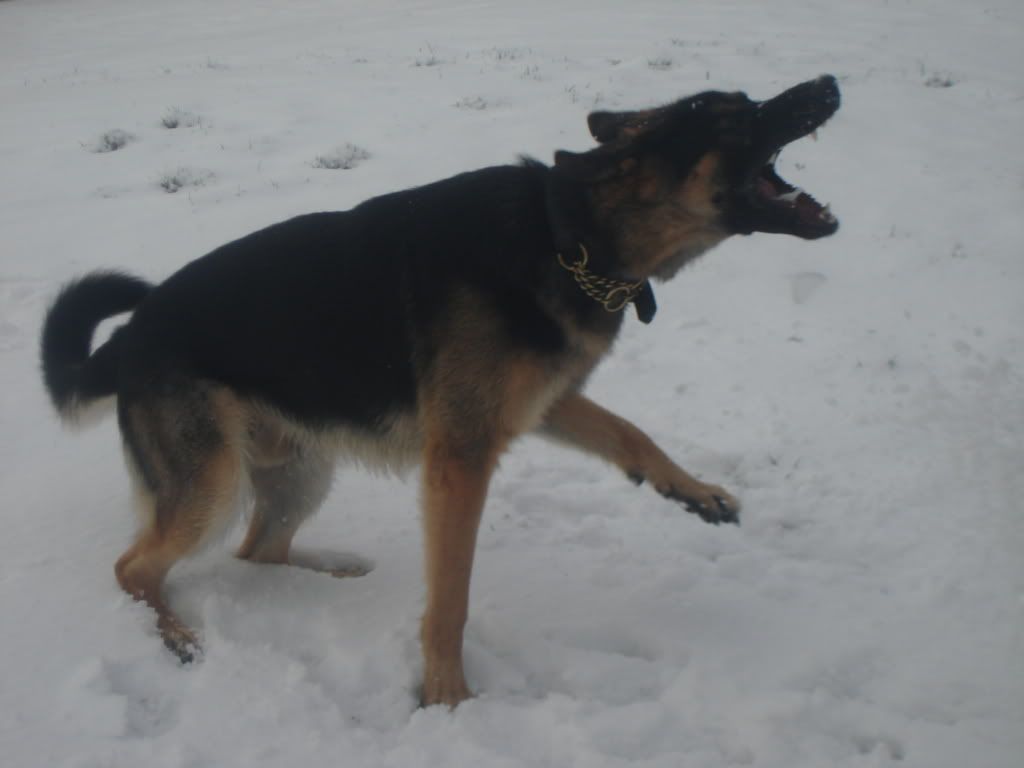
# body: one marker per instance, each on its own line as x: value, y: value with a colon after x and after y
x: 790, y: 197
x: 814, y: 134
x: 826, y: 213
x: 774, y: 157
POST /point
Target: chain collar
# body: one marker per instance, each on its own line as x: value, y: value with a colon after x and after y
x: 613, y: 295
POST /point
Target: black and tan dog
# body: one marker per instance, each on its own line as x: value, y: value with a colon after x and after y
x: 435, y: 324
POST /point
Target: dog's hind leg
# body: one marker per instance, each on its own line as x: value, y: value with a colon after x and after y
x: 183, y: 449
x: 141, y: 571
x: 285, y: 495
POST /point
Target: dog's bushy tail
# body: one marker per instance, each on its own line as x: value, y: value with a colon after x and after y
x: 72, y: 376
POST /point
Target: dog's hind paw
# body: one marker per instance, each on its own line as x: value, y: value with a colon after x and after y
x: 186, y: 653
x: 179, y: 639
x: 341, y: 565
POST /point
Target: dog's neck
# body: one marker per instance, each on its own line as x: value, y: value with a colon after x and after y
x: 591, y: 260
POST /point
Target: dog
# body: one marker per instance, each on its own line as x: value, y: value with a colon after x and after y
x: 432, y: 325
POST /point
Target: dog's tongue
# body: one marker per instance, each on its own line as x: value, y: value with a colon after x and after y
x: 805, y: 206
x: 772, y: 192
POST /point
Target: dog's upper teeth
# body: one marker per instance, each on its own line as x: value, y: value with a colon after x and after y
x: 814, y: 134
x: 789, y: 197
x: 826, y: 213
x: 774, y: 157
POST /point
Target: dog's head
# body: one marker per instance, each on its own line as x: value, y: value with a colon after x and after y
x: 668, y: 183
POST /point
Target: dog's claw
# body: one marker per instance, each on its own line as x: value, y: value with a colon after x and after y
x: 723, y: 511
x: 636, y: 478
x: 179, y: 639
x: 186, y: 652
x: 727, y: 514
x: 705, y: 514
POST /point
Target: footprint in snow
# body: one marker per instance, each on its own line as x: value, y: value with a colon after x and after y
x: 120, y: 699
x: 804, y: 284
x: 890, y: 747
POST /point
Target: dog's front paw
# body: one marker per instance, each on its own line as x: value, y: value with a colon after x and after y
x: 448, y: 689
x: 711, y: 503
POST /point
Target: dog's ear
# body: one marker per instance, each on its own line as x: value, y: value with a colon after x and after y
x: 609, y: 126
x: 605, y: 126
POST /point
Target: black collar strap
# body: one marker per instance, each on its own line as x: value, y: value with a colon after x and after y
x: 613, y: 295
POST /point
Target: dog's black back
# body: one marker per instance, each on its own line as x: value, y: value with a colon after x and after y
x: 328, y: 316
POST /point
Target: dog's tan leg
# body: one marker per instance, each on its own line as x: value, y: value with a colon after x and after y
x: 454, y: 488
x: 589, y: 427
x: 182, y: 446
x: 180, y: 517
x: 140, y: 571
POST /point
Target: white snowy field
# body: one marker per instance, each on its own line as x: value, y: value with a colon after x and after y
x: 863, y: 395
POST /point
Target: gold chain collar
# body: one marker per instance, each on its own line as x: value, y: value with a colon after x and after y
x: 613, y: 295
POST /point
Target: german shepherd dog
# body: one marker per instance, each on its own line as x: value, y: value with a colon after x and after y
x: 434, y: 324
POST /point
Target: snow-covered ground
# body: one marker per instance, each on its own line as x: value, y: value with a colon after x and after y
x: 862, y: 394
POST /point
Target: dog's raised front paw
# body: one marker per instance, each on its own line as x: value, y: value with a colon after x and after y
x: 711, y: 503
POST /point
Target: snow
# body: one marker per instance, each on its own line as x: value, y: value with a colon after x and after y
x: 861, y: 394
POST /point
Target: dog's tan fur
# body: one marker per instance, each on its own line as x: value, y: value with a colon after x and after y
x: 288, y: 470
x: 475, y: 323
x: 469, y: 410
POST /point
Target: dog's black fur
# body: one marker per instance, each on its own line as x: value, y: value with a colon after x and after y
x: 317, y: 314
x: 443, y: 320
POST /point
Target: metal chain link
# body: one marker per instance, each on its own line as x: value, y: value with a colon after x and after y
x: 613, y: 295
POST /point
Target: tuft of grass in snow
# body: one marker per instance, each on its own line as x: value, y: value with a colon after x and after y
x: 111, y: 141
x: 532, y: 72
x: 178, y: 118
x: 507, y: 53
x: 661, y: 63
x: 184, y: 177
x: 343, y: 158
x: 934, y: 78
x: 939, y: 81
x: 429, y: 60
x: 472, y: 102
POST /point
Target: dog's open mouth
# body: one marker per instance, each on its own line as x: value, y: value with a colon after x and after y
x: 767, y: 202
x: 794, y: 210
